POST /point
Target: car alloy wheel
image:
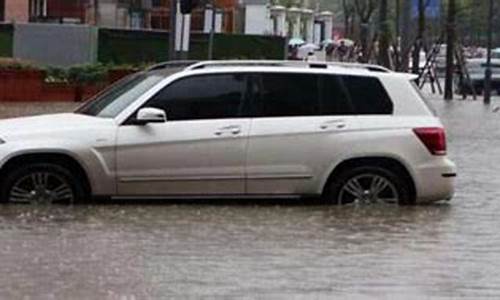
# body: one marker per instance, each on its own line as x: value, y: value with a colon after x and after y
x: 41, y: 187
x: 368, y: 189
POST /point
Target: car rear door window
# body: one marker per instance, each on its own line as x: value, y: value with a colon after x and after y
x: 368, y: 96
x: 219, y: 96
x: 335, y: 98
x: 287, y: 95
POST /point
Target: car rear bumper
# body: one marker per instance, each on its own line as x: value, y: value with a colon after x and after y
x: 435, y: 181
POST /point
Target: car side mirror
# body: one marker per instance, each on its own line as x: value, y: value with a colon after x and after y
x: 151, y: 115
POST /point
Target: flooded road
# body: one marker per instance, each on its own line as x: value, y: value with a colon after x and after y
x: 269, y: 250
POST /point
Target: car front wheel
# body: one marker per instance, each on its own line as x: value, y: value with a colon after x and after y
x: 42, y: 183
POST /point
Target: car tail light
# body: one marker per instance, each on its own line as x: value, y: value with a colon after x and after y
x: 434, y: 138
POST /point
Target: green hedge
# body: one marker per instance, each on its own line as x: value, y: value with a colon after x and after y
x: 132, y: 46
x: 139, y: 47
x: 238, y: 46
x: 6, y: 40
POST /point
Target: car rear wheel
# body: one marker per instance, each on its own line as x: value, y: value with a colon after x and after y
x: 368, y: 185
x: 42, y: 183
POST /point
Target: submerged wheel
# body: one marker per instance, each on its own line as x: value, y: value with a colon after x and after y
x: 368, y: 185
x: 42, y: 183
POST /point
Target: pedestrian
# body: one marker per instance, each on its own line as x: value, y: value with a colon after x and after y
x: 342, y: 51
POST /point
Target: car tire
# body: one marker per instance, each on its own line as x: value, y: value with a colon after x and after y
x: 368, y: 185
x: 42, y: 183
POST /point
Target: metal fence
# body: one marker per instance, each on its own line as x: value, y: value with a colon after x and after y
x: 59, y: 45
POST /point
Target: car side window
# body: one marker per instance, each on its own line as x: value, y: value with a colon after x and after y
x: 335, y: 99
x: 217, y: 96
x: 287, y: 95
x: 368, y: 96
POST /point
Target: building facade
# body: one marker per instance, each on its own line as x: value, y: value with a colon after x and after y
x: 227, y: 9
x: 14, y: 11
x: 233, y: 16
x: 134, y: 14
x: 58, y: 11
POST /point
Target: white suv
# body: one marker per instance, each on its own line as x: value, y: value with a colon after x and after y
x: 347, y: 132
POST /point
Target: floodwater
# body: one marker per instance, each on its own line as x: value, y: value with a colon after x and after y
x: 268, y: 250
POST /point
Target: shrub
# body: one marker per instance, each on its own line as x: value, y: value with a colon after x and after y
x: 87, y: 74
x: 16, y: 64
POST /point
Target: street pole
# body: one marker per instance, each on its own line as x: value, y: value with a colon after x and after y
x: 487, y: 72
x: 173, y: 30
x: 212, y: 33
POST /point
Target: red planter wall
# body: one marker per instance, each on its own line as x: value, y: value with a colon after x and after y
x: 29, y: 85
x: 64, y: 92
x: 21, y: 85
x: 58, y: 92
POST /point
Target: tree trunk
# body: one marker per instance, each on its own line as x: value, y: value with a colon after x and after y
x: 397, y: 6
x: 406, y: 41
x: 450, y: 50
x: 384, y: 57
x: 420, y: 37
x: 364, y: 36
x: 346, y: 18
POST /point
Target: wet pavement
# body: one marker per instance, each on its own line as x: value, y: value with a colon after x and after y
x: 269, y: 250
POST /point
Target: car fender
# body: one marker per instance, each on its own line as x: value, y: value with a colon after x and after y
x: 98, y: 163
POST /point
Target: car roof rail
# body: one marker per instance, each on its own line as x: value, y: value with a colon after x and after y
x: 172, y: 64
x: 284, y: 63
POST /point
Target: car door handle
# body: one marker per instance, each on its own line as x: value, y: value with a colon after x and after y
x: 334, y: 124
x: 233, y: 129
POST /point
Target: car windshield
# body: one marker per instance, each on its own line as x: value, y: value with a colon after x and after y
x: 119, y: 96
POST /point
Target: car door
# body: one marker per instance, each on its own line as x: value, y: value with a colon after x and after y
x: 295, y: 136
x: 201, y: 148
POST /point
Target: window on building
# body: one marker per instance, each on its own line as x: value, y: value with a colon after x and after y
x: 158, y: 3
x: 2, y: 10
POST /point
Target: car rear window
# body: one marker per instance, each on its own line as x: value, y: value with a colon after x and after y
x: 368, y: 96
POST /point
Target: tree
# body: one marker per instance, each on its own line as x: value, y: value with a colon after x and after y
x: 450, y: 50
x: 406, y: 40
x: 420, y: 39
x: 384, y: 57
x: 365, y: 10
x: 349, y: 10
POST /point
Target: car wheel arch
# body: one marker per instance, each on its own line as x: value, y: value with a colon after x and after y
x: 390, y: 163
x: 59, y: 158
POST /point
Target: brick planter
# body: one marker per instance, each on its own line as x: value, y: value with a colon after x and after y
x: 29, y: 85
x: 117, y: 74
x: 68, y: 92
x: 21, y: 85
x: 58, y: 92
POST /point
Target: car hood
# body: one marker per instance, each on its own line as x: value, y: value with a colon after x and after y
x: 50, y: 125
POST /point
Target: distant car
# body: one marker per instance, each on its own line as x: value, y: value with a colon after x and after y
x: 349, y: 133
x: 495, y: 53
x: 477, y: 68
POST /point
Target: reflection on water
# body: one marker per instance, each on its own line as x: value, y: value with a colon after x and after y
x: 155, y: 250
